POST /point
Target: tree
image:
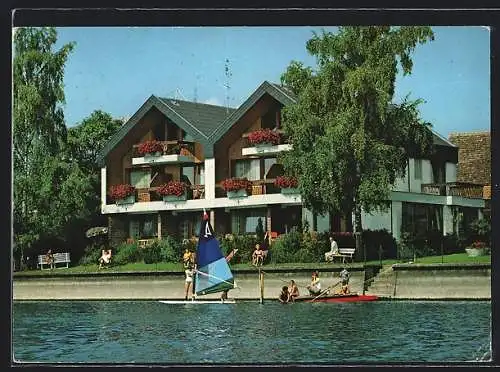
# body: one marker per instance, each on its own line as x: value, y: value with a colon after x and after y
x: 259, y: 231
x: 350, y: 141
x: 39, y: 130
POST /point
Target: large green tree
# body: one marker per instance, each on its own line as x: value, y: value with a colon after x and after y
x: 39, y: 131
x: 350, y: 140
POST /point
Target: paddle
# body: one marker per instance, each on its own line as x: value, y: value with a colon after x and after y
x: 326, y: 290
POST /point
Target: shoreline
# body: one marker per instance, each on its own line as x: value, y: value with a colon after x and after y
x: 397, y: 282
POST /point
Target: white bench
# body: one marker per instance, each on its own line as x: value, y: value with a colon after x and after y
x: 343, y: 253
x: 58, y: 258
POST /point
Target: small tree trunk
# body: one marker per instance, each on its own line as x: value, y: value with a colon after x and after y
x: 358, y: 232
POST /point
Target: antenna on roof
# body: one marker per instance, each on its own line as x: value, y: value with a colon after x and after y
x: 178, y: 94
x: 228, y: 73
x: 195, y: 94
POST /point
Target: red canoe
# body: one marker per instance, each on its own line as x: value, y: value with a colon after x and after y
x: 351, y: 297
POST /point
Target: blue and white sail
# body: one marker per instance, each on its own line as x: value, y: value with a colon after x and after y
x: 213, y: 273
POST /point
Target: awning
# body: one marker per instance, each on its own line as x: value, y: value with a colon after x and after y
x: 95, y: 231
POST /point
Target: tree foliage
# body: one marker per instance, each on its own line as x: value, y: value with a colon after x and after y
x: 56, y: 177
x: 350, y: 140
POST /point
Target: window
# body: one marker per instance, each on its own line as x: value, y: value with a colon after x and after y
x: 143, y: 227
x: 194, y: 175
x: 268, y: 163
x: 189, y: 225
x: 245, y: 221
x: 417, y: 169
x: 247, y: 168
x: 140, y: 178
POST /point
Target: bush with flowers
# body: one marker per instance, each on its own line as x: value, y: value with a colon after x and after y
x: 286, y: 182
x: 176, y: 188
x: 264, y: 136
x: 123, y: 191
x: 234, y: 184
x: 150, y: 147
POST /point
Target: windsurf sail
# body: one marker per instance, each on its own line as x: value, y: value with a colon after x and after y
x: 213, y: 273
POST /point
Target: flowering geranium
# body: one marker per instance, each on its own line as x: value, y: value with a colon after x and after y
x: 478, y: 245
x: 176, y: 188
x: 150, y: 147
x: 234, y: 184
x: 118, y: 192
x: 286, y: 182
x: 264, y: 136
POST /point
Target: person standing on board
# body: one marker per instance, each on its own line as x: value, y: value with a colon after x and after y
x: 344, y: 277
x: 223, y: 295
x: 315, y: 286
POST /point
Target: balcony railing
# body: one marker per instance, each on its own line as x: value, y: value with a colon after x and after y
x: 170, y: 148
x: 462, y: 189
x: 283, y: 138
x: 149, y: 194
x: 259, y: 187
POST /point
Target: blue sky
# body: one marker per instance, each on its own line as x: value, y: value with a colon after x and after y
x: 116, y: 69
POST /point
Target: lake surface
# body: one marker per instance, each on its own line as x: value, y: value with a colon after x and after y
x: 145, y: 332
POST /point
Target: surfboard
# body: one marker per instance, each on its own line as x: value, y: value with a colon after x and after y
x: 196, y: 302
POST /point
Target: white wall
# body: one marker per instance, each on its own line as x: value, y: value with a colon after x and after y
x: 447, y: 219
x: 401, y: 184
x: 397, y: 218
x: 323, y: 223
x: 376, y: 220
x: 210, y: 178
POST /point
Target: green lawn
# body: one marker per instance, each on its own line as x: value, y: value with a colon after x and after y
x: 176, y: 267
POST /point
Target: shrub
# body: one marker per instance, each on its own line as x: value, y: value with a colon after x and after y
x: 170, y: 249
x: 127, y: 252
x: 150, y: 147
x: 91, y: 254
x: 283, y: 249
x: 374, y: 239
x: 152, y: 253
x: 246, y: 246
x: 264, y: 136
x: 304, y: 255
x: 481, y: 230
x: 176, y: 188
x: 118, y: 192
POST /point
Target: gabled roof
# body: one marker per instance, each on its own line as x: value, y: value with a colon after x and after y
x: 198, y: 119
x: 201, y: 116
x: 281, y: 94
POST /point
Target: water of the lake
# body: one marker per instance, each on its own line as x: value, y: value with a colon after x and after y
x: 146, y: 332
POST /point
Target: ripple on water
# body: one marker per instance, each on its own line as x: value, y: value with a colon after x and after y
x: 150, y: 332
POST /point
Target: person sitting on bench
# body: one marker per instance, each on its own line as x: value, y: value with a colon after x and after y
x: 334, y: 250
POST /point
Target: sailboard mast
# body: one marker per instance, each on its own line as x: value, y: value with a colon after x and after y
x: 212, y: 270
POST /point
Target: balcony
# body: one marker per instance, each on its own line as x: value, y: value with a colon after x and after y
x: 258, y: 187
x: 461, y: 189
x: 150, y: 194
x: 265, y: 142
x: 173, y: 152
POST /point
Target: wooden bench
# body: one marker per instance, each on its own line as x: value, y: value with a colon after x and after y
x: 343, y: 253
x: 58, y: 259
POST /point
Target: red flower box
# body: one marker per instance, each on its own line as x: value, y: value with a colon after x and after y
x: 150, y: 147
x: 286, y: 182
x: 118, y: 192
x: 264, y: 136
x: 176, y: 188
x: 478, y: 245
x: 233, y: 184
